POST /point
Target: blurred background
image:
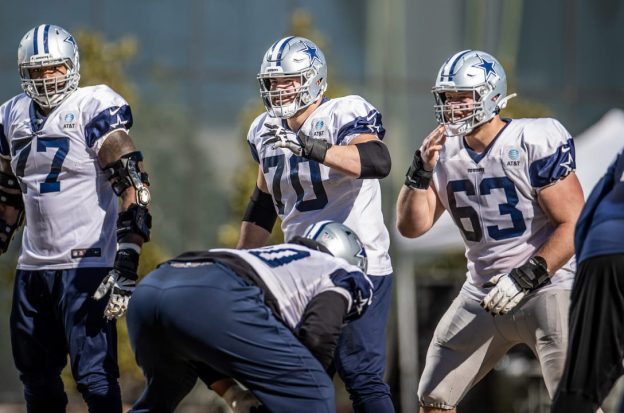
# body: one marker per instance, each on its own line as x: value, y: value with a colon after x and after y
x: 188, y: 69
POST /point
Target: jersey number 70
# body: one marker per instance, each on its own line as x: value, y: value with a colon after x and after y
x: 278, y: 162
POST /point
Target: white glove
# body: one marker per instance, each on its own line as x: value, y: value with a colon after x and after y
x: 299, y: 144
x: 504, y: 295
x: 282, y: 138
x: 240, y: 400
x: 121, y: 288
x: 510, y: 289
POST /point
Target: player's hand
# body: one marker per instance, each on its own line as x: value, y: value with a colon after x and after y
x: 504, y: 296
x: 509, y: 289
x: 281, y: 137
x: 299, y: 144
x: 120, y: 282
x: 240, y: 400
x: 431, y: 147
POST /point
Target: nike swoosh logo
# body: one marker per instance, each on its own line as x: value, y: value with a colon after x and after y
x: 113, y: 112
x: 565, y: 149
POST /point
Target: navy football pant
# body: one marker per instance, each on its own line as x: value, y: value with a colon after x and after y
x: 52, y: 315
x: 361, y: 353
x: 207, y: 322
x: 596, y: 338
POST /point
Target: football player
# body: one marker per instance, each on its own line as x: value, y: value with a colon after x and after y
x: 596, y: 348
x: 511, y: 189
x: 268, y: 317
x: 321, y: 158
x: 65, y: 157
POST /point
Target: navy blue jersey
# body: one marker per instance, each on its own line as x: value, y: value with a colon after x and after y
x: 601, y: 224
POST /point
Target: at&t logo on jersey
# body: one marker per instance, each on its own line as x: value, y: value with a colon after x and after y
x: 512, y: 157
x: 69, y: 120
x: 318, y: 127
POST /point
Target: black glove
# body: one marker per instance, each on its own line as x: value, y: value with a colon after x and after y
x: 299, y: 144
x: 120, y: 281
x: 531, y: 275
x: 417, y: 177
x: 509, y: 289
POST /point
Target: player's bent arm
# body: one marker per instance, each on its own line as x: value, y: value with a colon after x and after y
x: 11, y: 205
x: 321, y: 325
x: 366, y: 156
x: 259, y: 217
x: 417, y: 210
x: 562, y: 202
x: 123, y: 166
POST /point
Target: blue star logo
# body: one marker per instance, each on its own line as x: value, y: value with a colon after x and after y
x: 568, y: 164
x: 488, y: 67
x: 311, y: 51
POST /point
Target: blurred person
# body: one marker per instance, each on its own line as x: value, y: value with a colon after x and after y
x: 268, y: 317
x: 596, y: 344
x: 59, y: 144
x: 511, y: 189
x: 318, y: 159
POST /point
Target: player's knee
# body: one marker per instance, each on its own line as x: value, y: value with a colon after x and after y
x: 99, y: 389
x: 374, y: 403
x: 367, y: 389
x: 434, y: 401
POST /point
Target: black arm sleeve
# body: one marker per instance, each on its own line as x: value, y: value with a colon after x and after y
x: 260, y: 210
x: 321, y: 325
x: 374, y: 159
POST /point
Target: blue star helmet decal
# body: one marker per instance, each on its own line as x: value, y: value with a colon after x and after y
x: 488, y: 67
x: 311, y: 52
x: 71, y: 40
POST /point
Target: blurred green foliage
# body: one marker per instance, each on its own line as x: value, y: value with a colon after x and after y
x: 103, y: 62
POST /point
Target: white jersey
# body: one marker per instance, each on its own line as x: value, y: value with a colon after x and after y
x: 295, y: 275
x: 306, y: 192
x: 71, y: 209
x: 493, y: 197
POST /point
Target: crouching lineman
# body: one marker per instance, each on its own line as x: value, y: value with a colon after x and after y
x: 268, y: 317
x: 59, y: 145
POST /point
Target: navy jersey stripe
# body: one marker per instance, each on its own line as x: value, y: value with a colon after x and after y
x: 108, y: 120
x: 363, y: 124
x: 554, y: 167
x: 254, y: 152
x: 358, y: 287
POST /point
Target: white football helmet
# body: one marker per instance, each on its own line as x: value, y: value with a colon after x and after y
x: 340, y: 241
x: 43, y: 46
x: 292, y: 57
x: 470, y: 71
